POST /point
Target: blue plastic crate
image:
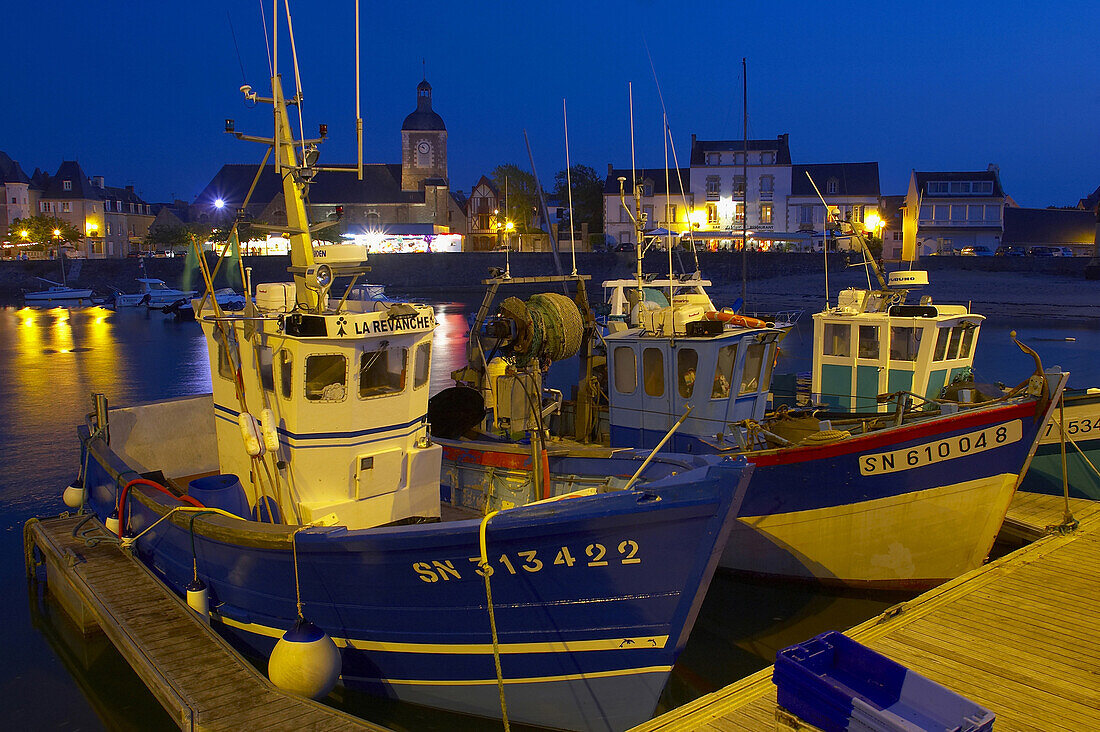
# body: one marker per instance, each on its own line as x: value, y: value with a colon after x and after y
x: 835, y: 683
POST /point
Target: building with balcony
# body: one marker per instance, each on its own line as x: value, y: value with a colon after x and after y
x: 957, y: 209
x: 852, y: 189
x: 741, y: 183
x: 666, y: 201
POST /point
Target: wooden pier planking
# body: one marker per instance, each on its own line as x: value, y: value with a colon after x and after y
x: 199, y: 679
x: 1018, y: 636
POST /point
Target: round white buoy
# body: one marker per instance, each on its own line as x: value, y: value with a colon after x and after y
x: 305, y: 661
x: 198, y: 600
x: 73, y: 495
x: 112, y: 524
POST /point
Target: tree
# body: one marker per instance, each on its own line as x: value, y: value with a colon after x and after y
x: 521, y: 196
x: 587, y: 196
x: 40, y: 230
x: 167, y: 237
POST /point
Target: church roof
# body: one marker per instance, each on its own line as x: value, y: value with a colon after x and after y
x: 10, y: 172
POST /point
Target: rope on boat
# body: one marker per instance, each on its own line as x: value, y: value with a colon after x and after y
x: 294, y: 555
x: 486, y: 571
x: 128, y: 541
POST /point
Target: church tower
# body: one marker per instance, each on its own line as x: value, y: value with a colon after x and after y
x: 423, y: 143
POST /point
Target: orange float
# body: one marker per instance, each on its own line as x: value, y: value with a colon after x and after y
x: 734, y: 319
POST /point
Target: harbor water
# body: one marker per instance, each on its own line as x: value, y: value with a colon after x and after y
x: 51, y: 360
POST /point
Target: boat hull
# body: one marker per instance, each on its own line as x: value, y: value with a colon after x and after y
x: 59, y: 295
x: 901, y: 508
x: 594, y: 597
x: 1082, y: 419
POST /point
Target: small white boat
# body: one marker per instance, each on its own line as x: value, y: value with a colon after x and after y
x: 151, y: 292
x: 58, y: 293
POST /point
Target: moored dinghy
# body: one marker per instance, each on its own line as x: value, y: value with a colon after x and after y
x: 567, y: 614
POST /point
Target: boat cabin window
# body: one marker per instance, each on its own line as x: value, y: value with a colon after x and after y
x: 267, y: 370
x: 286, y: 372
x: 837, y: 337
x: 941, y: 344
x: 755, y: 371
x: 422, y: 366
x: 382, y: 371
x: 904, y: 343
x: 967, y: 341
x: 653, y: 371
x: 626, y: 370
x: 225, y: 365
x: 868, y: 341
x: 723, y: 372
x: 953, y: 344
x: 687, y: 361
x: 326, y: 378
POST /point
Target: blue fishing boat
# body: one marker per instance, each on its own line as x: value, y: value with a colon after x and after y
x: 298, y: 508
x: 903, y: 499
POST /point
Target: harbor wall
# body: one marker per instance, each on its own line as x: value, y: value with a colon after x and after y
x: 425, y: 273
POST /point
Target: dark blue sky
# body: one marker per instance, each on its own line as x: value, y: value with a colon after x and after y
x: 138, y: 92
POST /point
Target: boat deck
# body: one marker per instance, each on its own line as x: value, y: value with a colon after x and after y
x: 1020, y: 636
x: 195, y: 674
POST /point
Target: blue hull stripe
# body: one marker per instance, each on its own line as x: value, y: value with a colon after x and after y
x: 234, y: 414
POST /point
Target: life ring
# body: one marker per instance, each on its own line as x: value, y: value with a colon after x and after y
x: 734, y: 319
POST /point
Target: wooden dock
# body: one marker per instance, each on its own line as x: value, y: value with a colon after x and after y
x: 199, y: 679
x: 1020, y: 636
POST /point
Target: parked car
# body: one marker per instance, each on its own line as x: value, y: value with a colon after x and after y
x: 1008, y: 250
x: 626, y: 246
x: 976, y: 251
x: 1043, y: 252
x: 1065, y: 251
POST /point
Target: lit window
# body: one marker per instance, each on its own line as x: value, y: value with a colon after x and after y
x: 626, y: 370
x: 653, y: 371
x: 66, y: 207
x: 765, y: 213
x: 326, y: 378
x: 423, y: 366
x: 382, y: 371
x: 739, y: 211
x: 712, y: 213
x: 687, y: 361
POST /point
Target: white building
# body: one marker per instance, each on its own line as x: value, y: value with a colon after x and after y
x: 720, y: 172
x: 957, y: 209
x: 666, y: 201
x: 852, y: 188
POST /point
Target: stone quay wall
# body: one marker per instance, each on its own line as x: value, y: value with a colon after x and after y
x: 455, y: 272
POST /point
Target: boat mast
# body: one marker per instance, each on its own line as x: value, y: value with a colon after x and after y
x: 744, y: 180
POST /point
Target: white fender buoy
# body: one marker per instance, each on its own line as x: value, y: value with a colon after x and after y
x: 197, y: 599
x: 112, y: 523
x: 73, y: 495
x: 269, y: 430
x: 250, y: 433
x: 305, y: 661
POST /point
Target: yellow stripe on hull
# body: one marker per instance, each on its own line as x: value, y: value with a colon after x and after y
x: 535, y: 679
x: 580, y: 646
x: 911, y: 540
